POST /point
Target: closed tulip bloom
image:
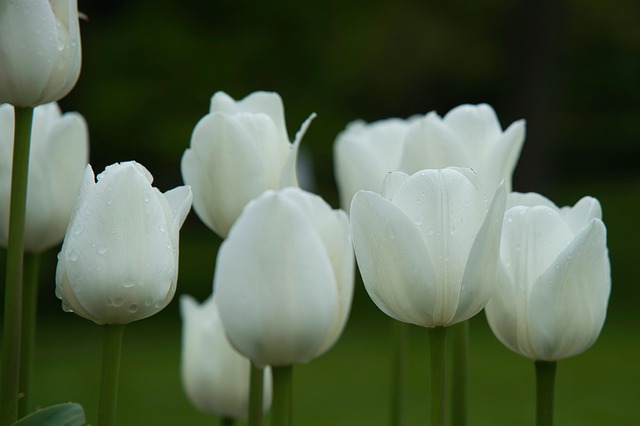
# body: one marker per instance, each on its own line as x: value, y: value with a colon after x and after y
x: 214, y: 375
x: 284, y: 278
x: 364, y: 154
x: 58, y: 156
x: 428, y: 249
x: 40, y: 53
x: 238, y: 151
x: 467, y: 136
x: 551, y: 299
x: 119, y: 259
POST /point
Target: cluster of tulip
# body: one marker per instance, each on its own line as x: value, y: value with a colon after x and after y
x: 437, y: 233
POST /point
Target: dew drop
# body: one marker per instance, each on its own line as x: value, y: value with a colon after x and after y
x: 509, y: 218
x: 118, y: 301
x: 418, y: 219
x: 66, y: 307
x: 133, y: 308
x: 128, y: 284
x: 146, y: 198
x: 453, y: 230
x: 148, y: 302
x: 73, y: 255
x: 102, y: 251
x: 77, y: 230
x: 163, y: 228
x: 430, y: 231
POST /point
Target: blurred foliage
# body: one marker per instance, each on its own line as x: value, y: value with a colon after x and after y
x: 569, y: 67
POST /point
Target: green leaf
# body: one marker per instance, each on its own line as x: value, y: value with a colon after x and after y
x: 68, y: 414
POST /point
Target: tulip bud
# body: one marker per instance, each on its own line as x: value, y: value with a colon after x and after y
x: 284, y: 278
x: 365, y: 153
x: 467, y: 136
x: 40, y: 53
x: 238, y: 151
x: 214, y: 375
x: 551, y: 298
x: 428, y: 249
x: 58, y: 156
x: 119, y: 259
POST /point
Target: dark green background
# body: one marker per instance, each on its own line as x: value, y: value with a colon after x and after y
x: 569, y: 67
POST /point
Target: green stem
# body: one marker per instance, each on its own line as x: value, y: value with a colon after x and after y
x: 29, y: 326
x: 110, y: 374
x: 460, y: 368
x: 10, y: 367
x: 282, y: 396
x: 545, y: 383
x: 227, y: 421
x: 256, y: 387
x: 437, y: 349
x: 400, y: 343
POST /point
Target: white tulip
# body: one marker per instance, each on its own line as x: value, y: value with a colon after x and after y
x: 284, y: 278
x: 238, y: 151
x: 58, y: 156
x: 214, y: 375
x: 467, y: 136
x: 119, y: 259
x: 365, y: 153
x: 40, y: 54
x: 428, y: 249
x: 551, y: 299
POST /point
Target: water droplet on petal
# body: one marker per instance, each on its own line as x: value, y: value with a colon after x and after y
x: 73, y: 255
x: 418, y: 219
x: 118, y: 301
x: 163, y: 228
x: 102, y: 251
x: 148, y: 302
x: 77, y: 230
x: 146, y: 198
x: 133, y: 308
x: 430, y: 231
x: 128, y: 284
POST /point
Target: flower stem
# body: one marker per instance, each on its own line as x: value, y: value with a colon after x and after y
x: 400, y: 342
x: 545, y: 383
x: 12, y: 329
x: 282, y: 396
x: 460, y: 360
x: 110, y: 374
x: 29, y: 326
x: 437, y: 349
x: 256, y: 387
x: 227, y: 421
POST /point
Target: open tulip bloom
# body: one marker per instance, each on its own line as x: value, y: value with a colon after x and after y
x: 238, y: 151
x: 428, y: 251
x: 552, y: 293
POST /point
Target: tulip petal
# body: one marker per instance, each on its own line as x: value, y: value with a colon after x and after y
x: 226, y: 150
x: 447, y: 210
x: 431, y: 144
x: 277, y: 310
x: 333, y: 228
x: 476, y: 126
x: 395, y: 263
x: 568, y: 302
x: 529, y: 199
x: 392, y: 182
x: 580, y: 215
x: 269, y: 103
x: 289, y: 175
x: 500, y: 158
x: 480, y: 275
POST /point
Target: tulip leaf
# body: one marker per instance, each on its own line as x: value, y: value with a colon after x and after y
x: 68, y: 414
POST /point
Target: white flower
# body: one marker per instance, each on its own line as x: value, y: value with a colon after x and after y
x: 467, y: 136
x: 238, y: 151
x: 284, y: 278
x: 214, y: 375
x: 58, y: 156
x: 40, y: 53
x: 428, y: 248
x: 364, y: 153
x: 119, y: 259
x: 551, y: 299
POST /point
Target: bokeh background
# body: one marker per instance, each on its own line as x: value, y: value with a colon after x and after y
x: 571, y: 68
